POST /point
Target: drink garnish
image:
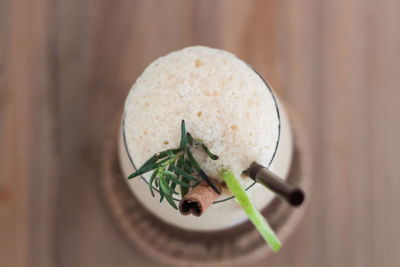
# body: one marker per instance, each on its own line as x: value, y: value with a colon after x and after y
x: 198, y: 200
x: 174, y: 167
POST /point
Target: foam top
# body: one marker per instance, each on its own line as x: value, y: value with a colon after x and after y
x: 222, y: 100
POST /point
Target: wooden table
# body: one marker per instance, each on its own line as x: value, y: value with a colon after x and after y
x: 66, y: 67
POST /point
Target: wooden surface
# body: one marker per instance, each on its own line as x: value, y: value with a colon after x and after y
x: 66, y: 67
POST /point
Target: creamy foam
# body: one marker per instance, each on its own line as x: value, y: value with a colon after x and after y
x: 222, y: 100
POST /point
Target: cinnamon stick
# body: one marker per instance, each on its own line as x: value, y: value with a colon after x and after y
x: 197, y: 200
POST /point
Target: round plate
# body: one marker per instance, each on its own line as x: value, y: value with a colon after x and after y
x: 172, y: 246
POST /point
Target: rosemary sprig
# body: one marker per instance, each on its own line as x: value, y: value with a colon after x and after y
x: 174, y: 167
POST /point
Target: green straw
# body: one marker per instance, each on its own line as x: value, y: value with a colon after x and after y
x: 254, y: 215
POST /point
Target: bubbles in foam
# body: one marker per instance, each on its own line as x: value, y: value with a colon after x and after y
x: 222, y: 100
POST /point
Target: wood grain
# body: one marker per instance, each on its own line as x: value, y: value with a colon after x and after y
x: 66, y: 67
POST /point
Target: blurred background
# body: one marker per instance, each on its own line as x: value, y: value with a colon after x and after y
x: 66, y: 67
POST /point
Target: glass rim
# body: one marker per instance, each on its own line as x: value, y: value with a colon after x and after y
x: 254, y: 182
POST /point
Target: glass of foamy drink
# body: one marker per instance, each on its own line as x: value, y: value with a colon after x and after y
x: 229, y: 110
